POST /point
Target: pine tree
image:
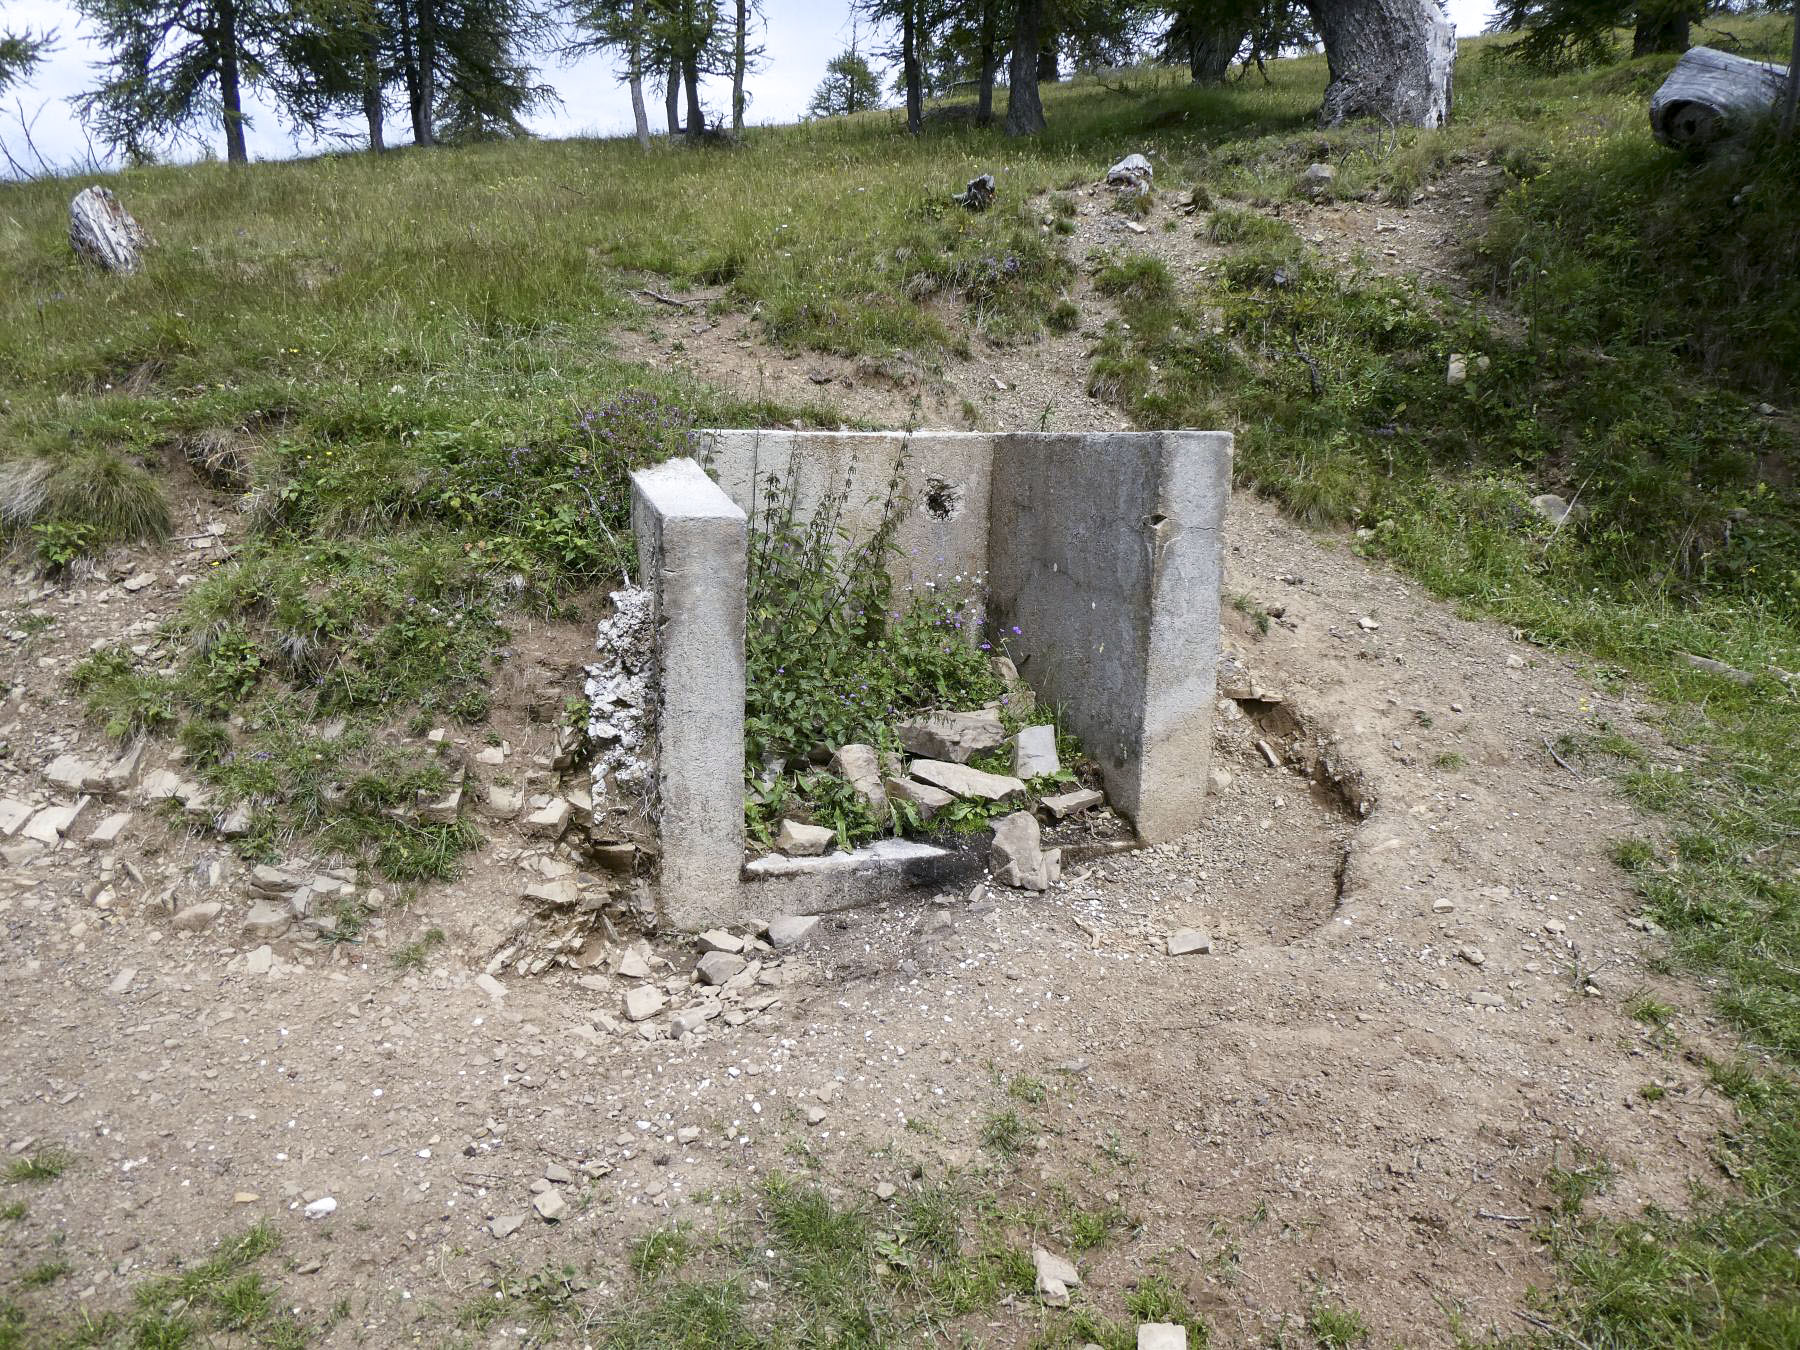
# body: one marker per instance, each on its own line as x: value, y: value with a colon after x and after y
x: 622, y: 27
x: 20, y: 54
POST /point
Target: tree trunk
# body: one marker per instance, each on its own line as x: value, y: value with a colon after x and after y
x: 1661, y: 27
x: 231, y: 98
x: 1792, y: 97
x: 409, y: 63
x: 1391, y: 59
x: 1049, y: 65
x: 672, y: 99
x: 690, y: 75
x: 990, y: 64
x: 1024, y: 110
x: 739, y: 55
x: 909, y: 61
x: 634, y: 74
x: 424, y: 133
x: 1210, y: 50
x: 373, y: 111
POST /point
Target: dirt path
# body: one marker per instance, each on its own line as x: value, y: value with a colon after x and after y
x: 1408, y: 1018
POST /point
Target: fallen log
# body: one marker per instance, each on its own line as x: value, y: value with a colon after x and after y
x: 1711, y: 95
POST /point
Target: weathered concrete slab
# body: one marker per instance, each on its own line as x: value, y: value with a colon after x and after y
x: 1105, y: 555
x: 944, y: 474
x: 776, y: 886
x: 692, y: 548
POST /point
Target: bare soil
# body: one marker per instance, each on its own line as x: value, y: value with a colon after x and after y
x: 1413, y: 1010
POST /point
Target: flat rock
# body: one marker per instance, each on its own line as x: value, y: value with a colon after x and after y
x: 791, y: 931
x: 195, y: 918
x: 490, y: 986
x: 502, y: 803
x: 718, y: 940
x: 160, y: 784
x: 718, y: 967
x: 1189, y: 942
x: 1056, y: 1276
x: 927, y: 800
x: 549, y: 822
x: 550, y: 1206
x: 13, y: 814
x: 505, y: 1225
x: 860, y: 767
x: 1161, y: 1336
x: 49, y: 825
x: 633, y: 966
x: 71, y: 774
x: 107, y: 832
x: 643, y: 1002
x: 1034, y: 753
x: 800, y: 840
x: 1066, y: 804
x: 961, y: 781
x: 1018, y: 857
x: 259, y: 961
x: 952, y: 736
x: 266, y: 920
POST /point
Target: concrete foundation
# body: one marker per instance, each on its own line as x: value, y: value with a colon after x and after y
x: 1102, y: 550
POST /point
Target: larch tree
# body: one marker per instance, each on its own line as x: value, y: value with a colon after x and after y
x: 1391, y: 59
x: 20, y: 54
x: 1024, y: 108
x: 849, y: 87
x: 913, y: 23
x: 745, y: 57
x: 1568, y: 34
x: 173, y: 64
x: 622, y: 27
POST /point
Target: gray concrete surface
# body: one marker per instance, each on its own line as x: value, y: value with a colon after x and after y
x: 692, y: 547
x: 1105, y: 552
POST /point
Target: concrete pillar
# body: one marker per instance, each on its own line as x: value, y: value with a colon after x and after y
x: 692, y: 552
x: 1105, y: 551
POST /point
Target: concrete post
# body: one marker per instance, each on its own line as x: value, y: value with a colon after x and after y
x: 1105, y: 552
x: 693, y: 551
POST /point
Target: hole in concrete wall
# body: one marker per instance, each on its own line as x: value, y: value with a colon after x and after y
x: 943, y: 499
x: 1158, y: 520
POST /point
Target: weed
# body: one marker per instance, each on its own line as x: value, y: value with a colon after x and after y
x: 44, y: 1274
x: 660, y: 1252
x: 1335, y: 1325
x: 1025, y: 1088
x: 13, y: 1211
x: 46, y: 1165
x: 412, y: 955
x: 1005, y: 1133
x: 1646, y: 1007
x: 1449, y: 761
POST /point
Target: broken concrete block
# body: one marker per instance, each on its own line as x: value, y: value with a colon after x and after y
x: 718, y: 940
x: 13, y: 814
x: 961, y: 781
x: 1018, y: 857
x: 502, y: 803
x: 927, y: 800
x: 107, y: 832
x: 952, y: 736
x: 718, y: 967
x: 860, y: 767
x: 799, y: 840
x: 549, y: 822
x: 1161, y: 1336
x: 71, y: 774
x: 791, y: 931
x: 121, y: 773
x: 49, y: 825
x: 160, y: 785
x: 1067, y: 804
x: 1034, y: 752
x: 1055, y: 1277
x: 646, y: 1000
x: 1189, y: 941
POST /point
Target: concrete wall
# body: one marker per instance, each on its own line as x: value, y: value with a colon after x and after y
x: 1105, y: 551
x: 944, y: 474
x: 692, y: 544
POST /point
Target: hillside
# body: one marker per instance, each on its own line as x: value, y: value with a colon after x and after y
x: 338, y: 480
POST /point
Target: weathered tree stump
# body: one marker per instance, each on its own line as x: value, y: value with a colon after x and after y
x: 979, y: 195
x: 102, y: 231
x: 1711, y: 95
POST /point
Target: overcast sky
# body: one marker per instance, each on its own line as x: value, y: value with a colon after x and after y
x: 802, y: 35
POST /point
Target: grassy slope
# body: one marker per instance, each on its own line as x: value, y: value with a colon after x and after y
x: 400, y: 350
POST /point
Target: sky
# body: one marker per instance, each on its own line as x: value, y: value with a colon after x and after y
x: 800, y: 37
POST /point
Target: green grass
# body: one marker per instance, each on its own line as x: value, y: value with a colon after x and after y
x: 44, y: 1165
x: 1334, y: 1326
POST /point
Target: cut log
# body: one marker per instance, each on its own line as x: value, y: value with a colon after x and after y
x: 1711, y: 95
x: 102, y: 231
x: 1391, y: 59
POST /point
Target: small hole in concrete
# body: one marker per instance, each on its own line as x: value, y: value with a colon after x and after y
x: 1158, y: 520
x: 943, y: 499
